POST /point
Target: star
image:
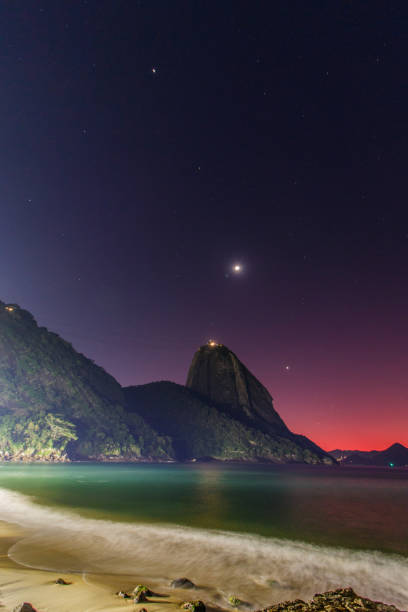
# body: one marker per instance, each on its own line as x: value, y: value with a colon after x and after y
x: 154, y: 70
x: 237, y: 268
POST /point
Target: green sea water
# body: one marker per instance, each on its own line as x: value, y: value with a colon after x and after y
x: 288, y: 529
x: 357, y: 508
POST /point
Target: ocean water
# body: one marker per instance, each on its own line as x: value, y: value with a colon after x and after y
x: 265, y: 534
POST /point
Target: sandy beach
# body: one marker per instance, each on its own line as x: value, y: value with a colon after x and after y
x: 86, y: 593
x: 99, y: 555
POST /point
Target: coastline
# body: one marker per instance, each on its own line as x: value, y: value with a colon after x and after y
x: 200, y: 461
x: 98, y: 592
x: 86, y: 593
x: 99, y: 556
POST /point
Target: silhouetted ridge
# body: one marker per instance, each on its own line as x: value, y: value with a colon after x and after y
x: 394, y: 456
x: 223, y: 413
x: 200, y: 430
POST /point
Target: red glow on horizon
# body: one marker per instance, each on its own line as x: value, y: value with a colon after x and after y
x: 371, y: 419
x: 345, y: 391
x: 350, y: 394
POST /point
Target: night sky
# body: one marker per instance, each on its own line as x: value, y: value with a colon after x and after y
x: 149, y: 146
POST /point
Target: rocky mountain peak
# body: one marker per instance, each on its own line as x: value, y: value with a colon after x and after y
x: 217, y: 373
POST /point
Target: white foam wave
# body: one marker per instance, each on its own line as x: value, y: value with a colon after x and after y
x: 257, y: 569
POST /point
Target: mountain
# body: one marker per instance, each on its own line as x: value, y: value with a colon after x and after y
x: 224, y: 413
x: 357, y: 459
x: 341, y: 455
x: 217, y: 374
x: 56, y: 404
x: 394, y: 456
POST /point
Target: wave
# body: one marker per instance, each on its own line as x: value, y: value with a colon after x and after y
x: 257, y: 569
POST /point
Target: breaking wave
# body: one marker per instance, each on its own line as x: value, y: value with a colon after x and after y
x: 257, y: 569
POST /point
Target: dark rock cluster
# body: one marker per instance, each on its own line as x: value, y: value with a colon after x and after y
x: 182, y: 583
x: 340, y: 600
x: 24, y: 607
x: 193, y: 606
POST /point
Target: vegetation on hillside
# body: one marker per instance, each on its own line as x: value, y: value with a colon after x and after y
x: 54, y: 402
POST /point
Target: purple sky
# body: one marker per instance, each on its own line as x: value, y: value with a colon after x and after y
x: 271, y: 135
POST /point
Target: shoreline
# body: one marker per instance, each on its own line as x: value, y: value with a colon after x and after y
x: 100, y: 557
x: 97, y: 592
x: 85, y: 593
x: 201, y: 462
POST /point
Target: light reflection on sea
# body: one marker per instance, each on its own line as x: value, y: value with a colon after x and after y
x: 263, y: 533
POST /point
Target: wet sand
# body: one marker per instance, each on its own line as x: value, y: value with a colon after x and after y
x: 86, y: 593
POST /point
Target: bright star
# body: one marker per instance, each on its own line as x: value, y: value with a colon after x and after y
x: 237, y: 268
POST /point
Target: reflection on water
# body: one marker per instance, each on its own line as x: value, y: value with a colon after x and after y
x: 210, y: 500
x: 356, y: 508
x: 163, y: 521
x: 259, y: 570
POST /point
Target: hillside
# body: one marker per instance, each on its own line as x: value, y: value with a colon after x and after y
x: 200, y: 430
x: 57, y: 404
x: 242, y: 425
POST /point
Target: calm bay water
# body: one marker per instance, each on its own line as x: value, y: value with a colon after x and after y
x: 357, y: 508
x: 268, y: 532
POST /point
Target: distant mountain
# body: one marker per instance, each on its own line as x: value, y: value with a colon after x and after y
x: 340, y: 455
x: 57, y: 404
x: 224, y: 413
x: 357, y: 459
x: 394, y: 456
x: 397, y: 454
